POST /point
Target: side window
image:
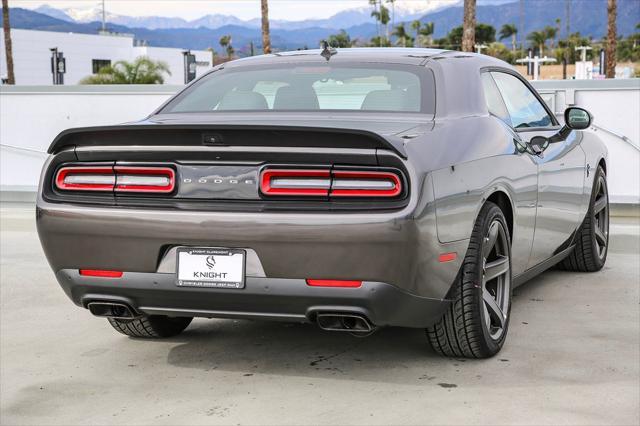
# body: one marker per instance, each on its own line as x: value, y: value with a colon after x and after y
x: 492, y: 95
x: 524, y: 108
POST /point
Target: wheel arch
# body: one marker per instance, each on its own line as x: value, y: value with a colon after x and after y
x: 603, y: 164
x: 503, y: 201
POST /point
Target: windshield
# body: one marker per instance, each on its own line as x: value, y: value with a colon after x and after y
x: 369, y: 87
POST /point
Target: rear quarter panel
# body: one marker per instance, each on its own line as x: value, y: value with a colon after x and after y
x: 470, y: 159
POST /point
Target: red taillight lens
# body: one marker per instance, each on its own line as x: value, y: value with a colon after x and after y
x: 100, y: 273
x: 333, y: 283
x: 305, y: 183
x: 158, y: 180
x: 334, y: 183
x: 348, y: 183
x: 90, y: 178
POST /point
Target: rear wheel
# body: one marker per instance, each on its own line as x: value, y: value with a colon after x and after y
x: 476, y: 323
x: 592, y: 240
x: 153, y: 326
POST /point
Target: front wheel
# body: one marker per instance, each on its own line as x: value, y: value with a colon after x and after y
x: 592, y: 239
x: 476, y: 323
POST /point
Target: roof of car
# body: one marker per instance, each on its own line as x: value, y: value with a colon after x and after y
x: 360, y: 54
x: 391, y: 55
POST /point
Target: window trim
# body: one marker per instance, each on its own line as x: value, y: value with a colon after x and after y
x: 555, y: 124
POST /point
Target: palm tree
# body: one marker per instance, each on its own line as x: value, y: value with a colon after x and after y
x: 393, y: 12
x: 509, y: 30
x: 612, y: 11
x: 375, y: 14
x: 341, y: 39
x: 266, y: 37
x: 427, y: 32
x: 550, y: 34
x: 538, y: 39
x: 11, y: 78
x: 225, y: 41
x: 469, y: 26
x: 381, y: 14
x: 403, y: 37
x: 141, y: 71
x: 416, y: 25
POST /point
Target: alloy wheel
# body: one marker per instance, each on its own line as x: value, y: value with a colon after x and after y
x: 601, y: 217
x: 496, y: 279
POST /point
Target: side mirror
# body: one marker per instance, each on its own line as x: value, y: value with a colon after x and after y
x: 577, y: 118
x: 574, y: 119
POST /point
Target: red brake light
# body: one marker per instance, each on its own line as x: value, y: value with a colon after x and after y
x: 295, y: 182
x: 100, y: 273
x: 89, y: 178
x: 333, y: 283
x: 347, y: 183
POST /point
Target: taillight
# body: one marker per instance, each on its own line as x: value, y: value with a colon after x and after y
x: 347, y: 183
x: 160, y: 180
x: 331, y: 183
x: 90, y: 178
x: 301, y: 182
x: 138, y: 179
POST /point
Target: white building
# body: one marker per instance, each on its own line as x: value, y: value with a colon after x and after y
x: 85, y: 54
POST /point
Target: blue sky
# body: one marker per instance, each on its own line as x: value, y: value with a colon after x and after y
x: 244, y: 9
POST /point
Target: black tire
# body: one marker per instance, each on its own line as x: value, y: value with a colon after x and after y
x: 592, y: 239
x: 472, y: 327
x: 154, y: 326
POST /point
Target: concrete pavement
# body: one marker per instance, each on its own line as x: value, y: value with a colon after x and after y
x: 572, y: 357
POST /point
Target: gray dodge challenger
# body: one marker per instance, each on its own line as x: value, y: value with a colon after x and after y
x: 355, y: 189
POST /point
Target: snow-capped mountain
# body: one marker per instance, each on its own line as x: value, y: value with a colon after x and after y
x: 404, y: 10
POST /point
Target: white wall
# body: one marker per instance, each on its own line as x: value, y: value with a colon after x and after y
x: 32, y: 57
x: 615, y: 106
x: 30, y: 117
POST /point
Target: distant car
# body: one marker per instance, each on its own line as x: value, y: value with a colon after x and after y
x: 356, y: 189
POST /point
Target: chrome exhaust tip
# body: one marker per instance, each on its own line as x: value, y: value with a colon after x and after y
x: 113, y: 310
x: 354, y: 323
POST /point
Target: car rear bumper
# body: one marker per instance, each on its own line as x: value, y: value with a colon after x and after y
x: 262, y: 298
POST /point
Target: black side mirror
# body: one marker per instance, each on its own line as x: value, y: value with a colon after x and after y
x: 574, y: 119
x: 577, y: 118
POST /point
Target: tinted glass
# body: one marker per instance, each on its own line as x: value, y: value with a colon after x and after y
x: 525, y: 110
x: 310, y: 87
x: 495, y: 103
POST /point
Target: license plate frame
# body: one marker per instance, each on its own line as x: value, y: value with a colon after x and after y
x: 196, y: 267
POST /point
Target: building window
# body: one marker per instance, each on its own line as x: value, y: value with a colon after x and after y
x: 97, y: 64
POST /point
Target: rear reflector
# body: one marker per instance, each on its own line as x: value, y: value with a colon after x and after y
x: 88, y: 178
x: 100, y: 273
x: 365, y: 184
x: 333, y: 283
x: 159, y: 180
x: 295, y: 182
x: 447, y: 257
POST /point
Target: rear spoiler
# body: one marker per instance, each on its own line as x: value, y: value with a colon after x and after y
x: 225, y: 135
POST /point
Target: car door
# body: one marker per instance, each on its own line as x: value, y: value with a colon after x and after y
x: 561, y: 167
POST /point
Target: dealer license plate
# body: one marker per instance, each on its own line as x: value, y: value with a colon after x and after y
x: 211, y: 267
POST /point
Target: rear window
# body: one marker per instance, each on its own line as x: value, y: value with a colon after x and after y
x: 371, y: 87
